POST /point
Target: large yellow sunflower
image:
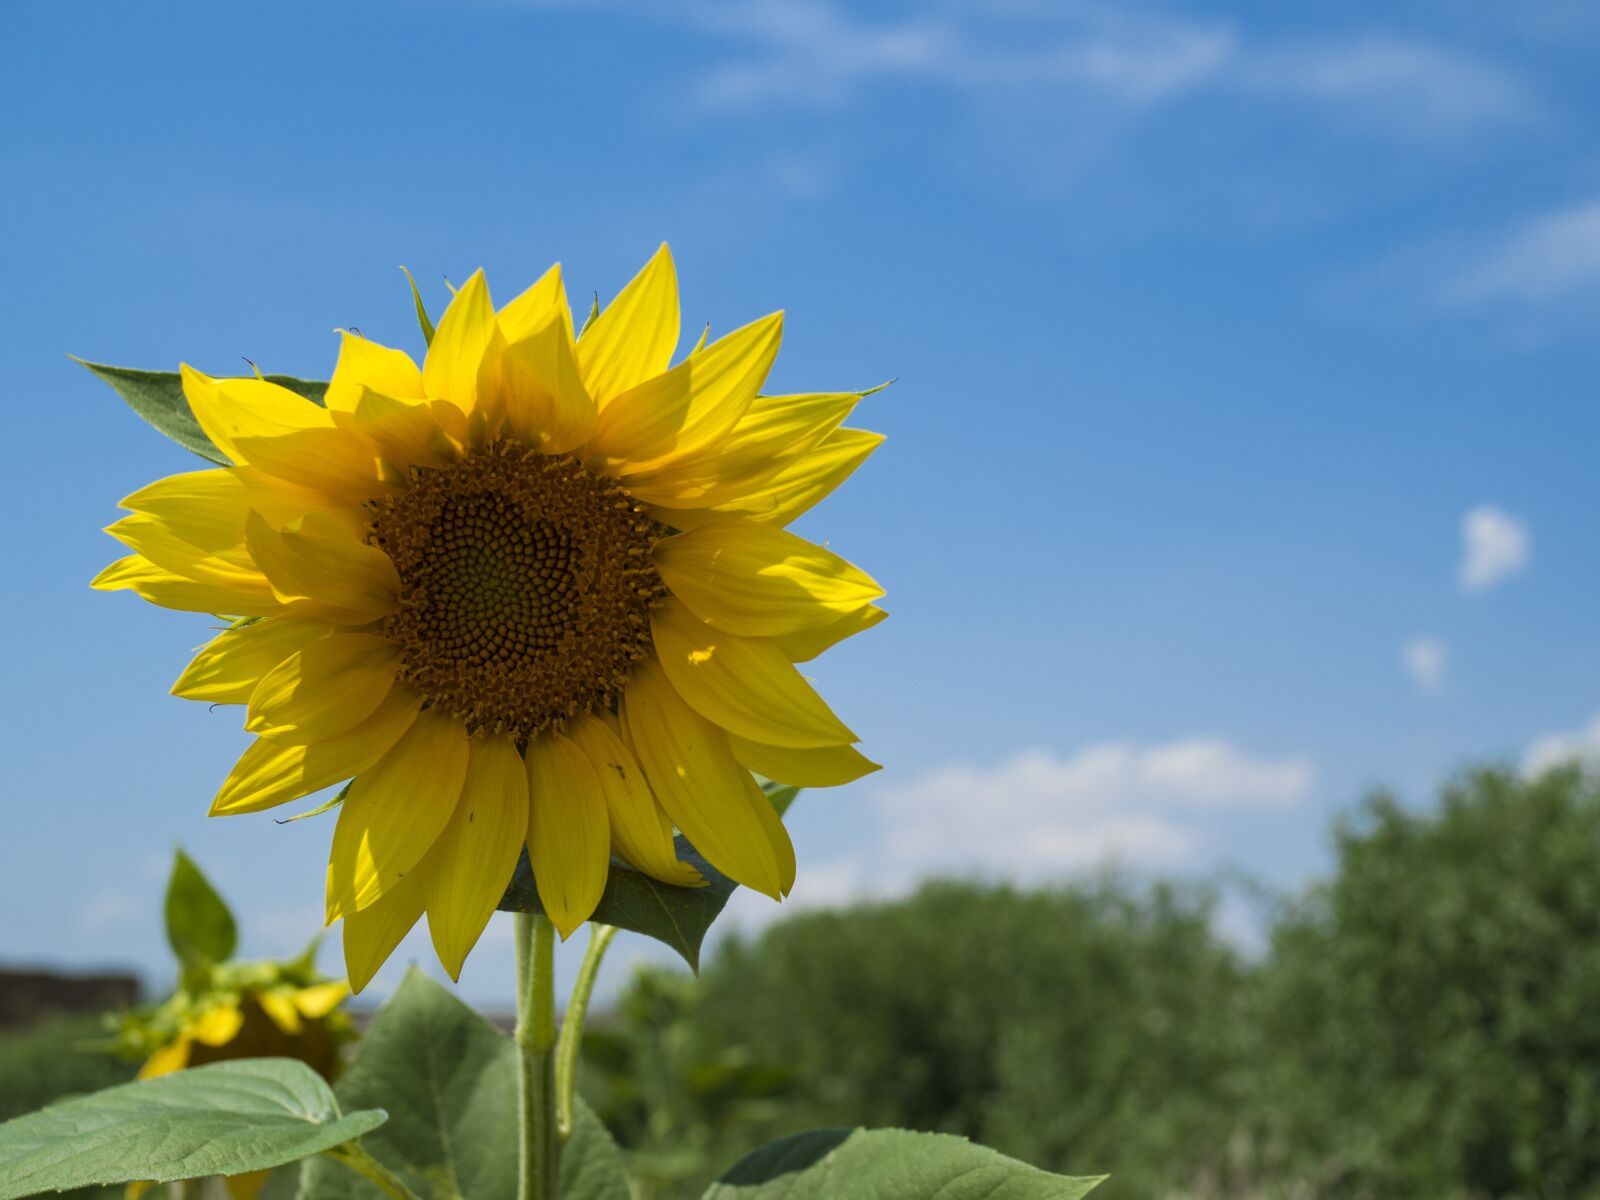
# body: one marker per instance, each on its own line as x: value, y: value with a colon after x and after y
x: 537, y: 591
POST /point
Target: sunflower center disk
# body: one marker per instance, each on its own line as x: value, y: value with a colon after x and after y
x: 525, y: 587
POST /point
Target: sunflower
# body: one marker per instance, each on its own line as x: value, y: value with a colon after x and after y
x: 537, y: 591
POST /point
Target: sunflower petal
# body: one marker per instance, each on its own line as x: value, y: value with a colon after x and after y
x: 821, y: 766
x: 229, y: 409
x: 333, y: 462
x: 320, y: 999
x: 158, y: 543
x: 745, y: 685
x: 174, y: 1056
x: 472, y: 861
x: 272, y: 773
x: 809, y: 643
x: 144, y: 579
x: 640, y: 833
x: 569, y: 839
x: 769, y: 820
x: 316, y: 567
x: 450, y: 371
x: 365, y: 365
x: 692, y: 406
x: 402, y: 433
x: 693, y: 774
x: 208, y: 508
x: 633, y: 338
x: 280, y: 1009
x: 545, y: 398
x: 228, y: 668
x: 371, y: 934
x: 395, y: 812
x: 760, y: 581
x: 325, y: 688
x: 535, y: 308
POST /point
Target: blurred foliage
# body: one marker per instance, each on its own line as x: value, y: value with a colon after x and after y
x: 1430, y: 1017
x: 1424, y: 1024
x: 683, y: 1109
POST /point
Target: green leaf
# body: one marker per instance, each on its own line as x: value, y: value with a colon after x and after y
x: 676, y: 916
x: 422, y: 313
x: 224, y: 1119
x: 888, y: 1164
x: 781, y: 794
x: 157, y: 396
x: 199, y: 925
x: 450, y: 1080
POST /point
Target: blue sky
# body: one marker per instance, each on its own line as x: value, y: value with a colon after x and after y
x: 1217, y: 329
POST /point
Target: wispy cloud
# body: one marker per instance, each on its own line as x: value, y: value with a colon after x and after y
x: 1494, y: 547
x: 1424, y: 659
x: 1557, y: 749
x: 1551, y: 257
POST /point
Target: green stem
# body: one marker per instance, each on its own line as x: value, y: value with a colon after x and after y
x: 358, y: 1160
x: 572, y: 1025
x: 539, y: 1150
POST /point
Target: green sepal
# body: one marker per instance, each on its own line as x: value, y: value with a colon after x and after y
x: 889, y: 1164
x: 200, y: 926
x: 678, y: 917
x: 157, y: 396
x: 594, y: 311
x: 228, y: 1118
x: 327, y: 805
x: 422, y: 312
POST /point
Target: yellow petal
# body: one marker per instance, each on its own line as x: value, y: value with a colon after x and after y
x: 333, y: 462
x: 532, y: 310
x: 320, y: 999
x: 395, y: 812
x: 316, y: 567
x: 760, y: 581
x: 822, y: 766
x: 227, y: 670
x: 156, y: 541
x: 169, y: 1058
x: 633, y: 339
x: 774, y: 431
x: 746, y: 685
x: 280, y: 1007
x: 406, y: 434
x: 272, y: 773
x: 208, y: 508
x: 767, y: 817
x: 139, y: 575
x: 218, y: 1025
x: 472, y: 861
x: 641, y: 835
x: 367, y: 365
x: 325, y: 688
x: 809, y: 643
x: 798, y: 486
x: 371, y: 935
x: 692, y: 406
x: 544, y: 395
x: 569, y: 839
x: 693, y: 774
x: 450, y: 371
x: 229, y: 409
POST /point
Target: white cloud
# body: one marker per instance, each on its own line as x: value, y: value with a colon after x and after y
x: 1494, y: 547
x: 1553, y: 750
x: 1550, y: 257
x: 1424, y: 659
x: 1411, y: 87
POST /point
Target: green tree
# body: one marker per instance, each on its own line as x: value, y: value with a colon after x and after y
x: 1430, y: 1019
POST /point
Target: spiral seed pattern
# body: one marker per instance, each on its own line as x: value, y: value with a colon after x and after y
x: 526, y: 586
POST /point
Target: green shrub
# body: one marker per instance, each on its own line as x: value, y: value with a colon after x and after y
x: 1430, y: 1018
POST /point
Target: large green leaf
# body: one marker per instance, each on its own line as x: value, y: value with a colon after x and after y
x: 224, y: 1119
x: 157, y: 396
x: 449, y: 1081
x: 888, y: 1164
x: 199, y: 925
x: 676, y: 916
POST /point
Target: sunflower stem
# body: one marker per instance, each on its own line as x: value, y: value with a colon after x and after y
x: 539, y: 1148
x: 352, y: 1155
x: 572, y: 1025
